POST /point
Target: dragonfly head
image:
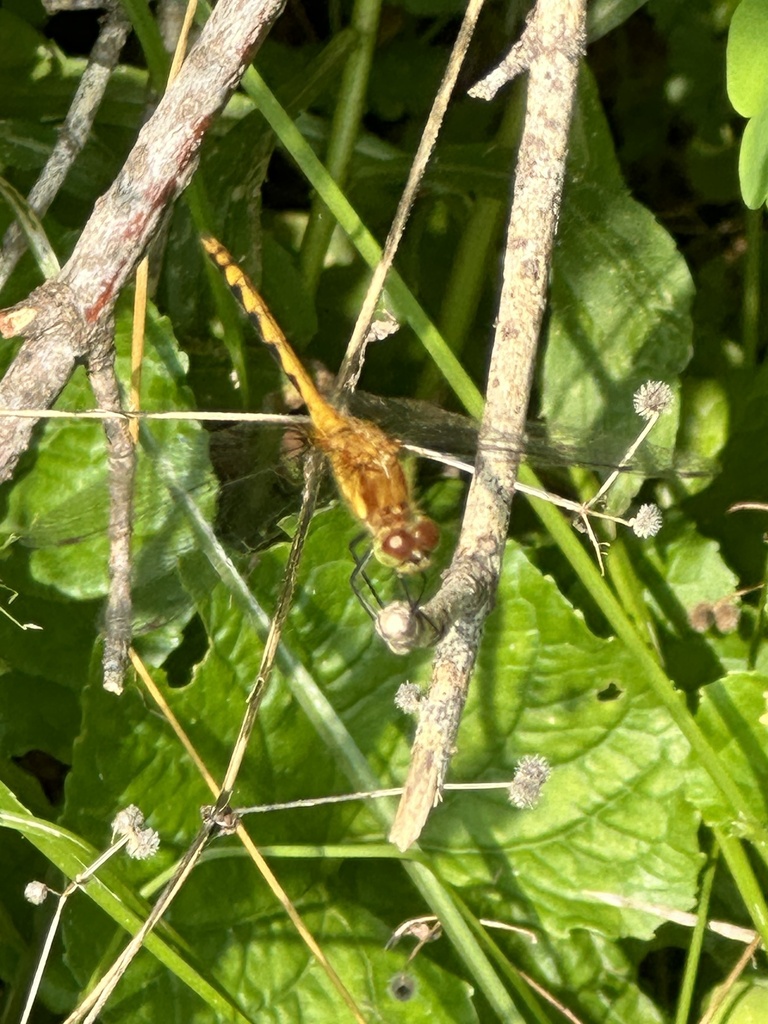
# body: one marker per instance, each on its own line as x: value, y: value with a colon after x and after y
x: 408, y: 548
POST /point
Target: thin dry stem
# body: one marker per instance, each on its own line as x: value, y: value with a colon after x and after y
x: 138, y: 334
x: 74, y: 132
x: 367, y: 794
x: 183, y: 416
x: 311, y: 485
x: 554, y: 42
x: 244, y: 837
x: 118, y: 614
x: 352, y: 366
x: 723, y: 991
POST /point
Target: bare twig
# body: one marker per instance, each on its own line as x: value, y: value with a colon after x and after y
x: 69, y: 319
x: 122, y: 463
x: 60, y: 320
x: 74, y: 132
x: 553, y: 43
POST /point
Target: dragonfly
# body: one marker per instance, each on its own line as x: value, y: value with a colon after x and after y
x: 64, y: 520
x: 365, y: 461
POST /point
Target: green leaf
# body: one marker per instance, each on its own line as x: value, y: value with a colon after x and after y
x: 753, y: 161
x: 732, y: 714
x: 621, y: 297
x: 744, y: 476
x: 48, y: 724
x: 286, y: 758
x: 747, y: 66
x: 612, y: 806
x: 605, y: 15
x: 747, y: 58
x: 59, y: 508
x: 745, y: 1002
x: 36, y: 79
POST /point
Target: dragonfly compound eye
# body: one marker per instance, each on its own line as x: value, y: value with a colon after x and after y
x: 409, y: 548
x: 426, y: 535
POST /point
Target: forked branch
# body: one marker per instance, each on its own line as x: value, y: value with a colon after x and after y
x: 63, y: 320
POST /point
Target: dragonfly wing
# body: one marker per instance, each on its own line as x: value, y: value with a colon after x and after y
x: 422, y: 425
x: 62, y: 515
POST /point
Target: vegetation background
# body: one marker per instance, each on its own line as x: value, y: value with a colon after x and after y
x: 657, y: 274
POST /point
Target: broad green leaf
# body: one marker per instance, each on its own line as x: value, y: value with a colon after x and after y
x: 748, y: 92
x: 620, y: 300
x: 612, y: 816
x: 706, y: 422
x: 126, y: 752
x: 615, y: 816
x: 46, y: 724
x: 591, y: 151
x: 747, y: 58
x: 587, y: 972
x: 745, y: 1002
x: 686, y: 574
x: 59, y: 508
x: 36, y: 79
x: 743, y: 477
x: 692, y: 568
x: 732, y: 714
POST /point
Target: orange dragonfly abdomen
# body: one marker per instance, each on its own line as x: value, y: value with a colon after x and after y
x: 365, y: 460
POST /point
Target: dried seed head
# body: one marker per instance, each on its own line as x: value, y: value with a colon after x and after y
x: 531, y: 772
x: 36, y: 893
x: 727, y: 616
x: 647, y: 522
x: 652, y: 398
x: 142, y: 842
x: 702, y: 617
x: 127, y: 821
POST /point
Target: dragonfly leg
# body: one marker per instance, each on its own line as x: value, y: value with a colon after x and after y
x: 360, y: 581
x: 418, y: 612
x: 413, y: 601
